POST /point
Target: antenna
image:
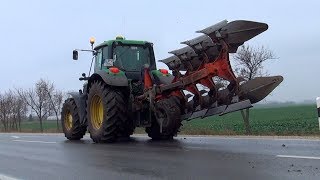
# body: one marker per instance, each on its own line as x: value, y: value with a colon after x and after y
x: 123, y: 25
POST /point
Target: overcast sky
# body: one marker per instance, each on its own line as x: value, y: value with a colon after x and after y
x: 37, y: 37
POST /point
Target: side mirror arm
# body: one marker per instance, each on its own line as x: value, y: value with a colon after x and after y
x: 75, y: 53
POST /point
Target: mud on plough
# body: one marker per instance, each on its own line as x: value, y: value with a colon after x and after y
x: 207, y: 57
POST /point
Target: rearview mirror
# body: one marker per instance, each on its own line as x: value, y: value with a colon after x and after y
x: 75, y: 55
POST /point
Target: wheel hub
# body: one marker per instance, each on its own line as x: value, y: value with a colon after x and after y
x: 68, y: 120
x: 96, y: 112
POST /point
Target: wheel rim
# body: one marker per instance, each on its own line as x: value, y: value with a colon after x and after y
x: 96, y: 112
x: 68, y: 120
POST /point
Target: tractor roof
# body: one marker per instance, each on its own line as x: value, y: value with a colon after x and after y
x: 122, y: 40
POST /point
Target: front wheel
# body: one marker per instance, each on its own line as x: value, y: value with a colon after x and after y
x: 70, y: 118
x: 154, y: 132
x: 167, y: 119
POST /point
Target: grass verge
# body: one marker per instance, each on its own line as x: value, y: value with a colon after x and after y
x: 280, y: 121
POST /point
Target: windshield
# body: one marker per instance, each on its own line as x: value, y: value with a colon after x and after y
x: 131, y: 57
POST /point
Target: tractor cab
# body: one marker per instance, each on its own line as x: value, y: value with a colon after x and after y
x: 128, y: 56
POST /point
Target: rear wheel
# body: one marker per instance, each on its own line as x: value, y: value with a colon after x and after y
x: 167, y: 115
x: 106, y: 112
x: 70, y: 118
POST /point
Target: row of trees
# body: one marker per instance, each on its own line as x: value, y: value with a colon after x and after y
x: 12, y: 111
x: 42, y: 100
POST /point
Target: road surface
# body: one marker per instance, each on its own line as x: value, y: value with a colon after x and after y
x: 36, y: 156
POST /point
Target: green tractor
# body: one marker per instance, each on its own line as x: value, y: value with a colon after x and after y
x: 126, y: 90
x: 108, y: 105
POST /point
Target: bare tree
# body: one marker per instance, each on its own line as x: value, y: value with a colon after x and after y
x: 3, y: 112
x: 37, y: 98
x: 249, y: 61
x: 19, y: 111
x: 12, y: 110
x: 6, y: 104
x: 56, y: 99
x: 11, y: 106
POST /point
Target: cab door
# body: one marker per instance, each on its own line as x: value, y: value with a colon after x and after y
x: 98, y: 60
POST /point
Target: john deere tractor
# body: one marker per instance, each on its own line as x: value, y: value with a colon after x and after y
x: 126, y: 90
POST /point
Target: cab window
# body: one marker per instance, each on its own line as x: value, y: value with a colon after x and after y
x: 98, y: 59
x: 131, y: 57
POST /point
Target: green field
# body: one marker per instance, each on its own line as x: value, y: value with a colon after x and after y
x: 292, y: 120
x: 34, y: 127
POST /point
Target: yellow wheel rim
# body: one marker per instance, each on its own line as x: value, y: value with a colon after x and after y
x: 68, y: 120
x: 96, y: 112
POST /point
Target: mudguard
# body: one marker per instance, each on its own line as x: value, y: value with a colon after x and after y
x: 160, y: 78
x: 109, y: 78
x: 80, y: 100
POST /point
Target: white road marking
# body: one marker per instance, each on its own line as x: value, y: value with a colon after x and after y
x: 275, y: 138
x: 46, y: 142
x: 299, y: 157
x: 16, y: 137
x: 3, y: 177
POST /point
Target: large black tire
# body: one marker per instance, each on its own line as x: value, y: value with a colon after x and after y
x: 106, y: 113
x: 170, y: 110
x: 71, y: 124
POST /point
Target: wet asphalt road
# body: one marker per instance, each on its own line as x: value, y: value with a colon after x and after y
x: 36, y: 156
